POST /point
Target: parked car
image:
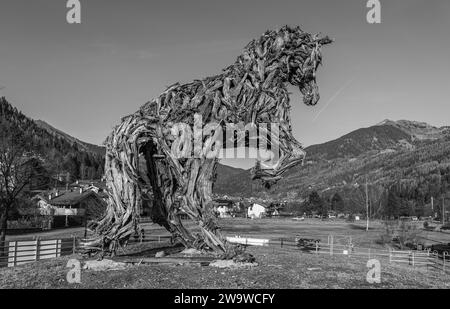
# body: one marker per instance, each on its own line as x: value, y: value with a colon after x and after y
x: 439, y: 249
x: 298, y: 218
x: 307, y: 244
x: 446, y: 226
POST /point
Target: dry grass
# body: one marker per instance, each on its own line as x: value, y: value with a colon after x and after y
x: 279, y: 268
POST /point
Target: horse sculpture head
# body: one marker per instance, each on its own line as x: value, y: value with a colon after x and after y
x: 297, y: 55
x: 280, y: 57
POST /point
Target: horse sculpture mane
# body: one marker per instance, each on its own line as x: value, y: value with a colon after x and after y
x: 141, y: 164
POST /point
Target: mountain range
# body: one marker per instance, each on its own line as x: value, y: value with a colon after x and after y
x: 390, y: 152
x: 72, y: 140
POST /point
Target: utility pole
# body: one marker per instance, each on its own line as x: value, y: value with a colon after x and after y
x: 443, y: 210
x: 367, y: 206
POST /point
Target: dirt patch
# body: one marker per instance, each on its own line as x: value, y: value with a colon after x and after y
x: 104, y: 265
x: 231, y: 264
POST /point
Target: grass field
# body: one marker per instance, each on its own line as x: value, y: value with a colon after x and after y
x: 274, y: 228
x: 278, y: 267
x: 281, y: 270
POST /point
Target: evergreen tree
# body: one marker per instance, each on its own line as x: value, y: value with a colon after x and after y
x: 337, y: 203
x: 393, y: 204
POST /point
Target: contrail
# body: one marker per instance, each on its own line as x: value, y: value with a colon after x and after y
x: 334, y: 97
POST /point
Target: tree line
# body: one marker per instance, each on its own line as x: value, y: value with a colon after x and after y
x: 65, y: 158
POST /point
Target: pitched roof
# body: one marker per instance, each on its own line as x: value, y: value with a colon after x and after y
x: 97, y: 183
x: 67, y: 198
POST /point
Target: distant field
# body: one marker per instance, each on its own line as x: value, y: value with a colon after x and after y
x: 275, y: 228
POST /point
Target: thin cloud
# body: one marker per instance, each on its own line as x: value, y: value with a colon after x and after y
x: 145, y: 54
x: 334, y: 97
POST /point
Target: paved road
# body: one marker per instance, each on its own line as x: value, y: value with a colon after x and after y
x: 53, y: 234
x: 150, y: 228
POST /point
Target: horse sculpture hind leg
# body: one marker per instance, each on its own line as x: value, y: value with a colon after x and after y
x: 163, y: 186
x: 193, y: 198
x: 143, y: 163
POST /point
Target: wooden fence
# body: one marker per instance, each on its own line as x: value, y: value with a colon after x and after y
x: 22, y: 252
x: 415, y: 259
x: 27, y: 251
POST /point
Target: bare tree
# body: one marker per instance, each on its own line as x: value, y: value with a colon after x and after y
x: 374, y: 196
x: 17, y: 168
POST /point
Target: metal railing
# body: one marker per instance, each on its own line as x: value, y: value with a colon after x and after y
x: 427, y: 259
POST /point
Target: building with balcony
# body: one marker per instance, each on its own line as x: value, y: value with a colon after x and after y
x: 69, y: 207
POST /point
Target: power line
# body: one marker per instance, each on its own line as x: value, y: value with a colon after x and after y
x: 367, y: 206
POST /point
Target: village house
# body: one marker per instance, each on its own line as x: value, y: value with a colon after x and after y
x: 223, y: 207
x: 98, y: 186
x: 69, y: 207
x: 256, y: 211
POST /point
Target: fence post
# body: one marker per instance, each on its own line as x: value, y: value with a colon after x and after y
x: 36, y: 257
x: 74, y: 244
x: 281, y: 242
x: 331, y: 245
x: 390, y: 255
x: 437, y: 260
x: 444, y: 255
x: 58, y: 247
x: 413, y: 259
x: 317, y: 247
x: 15, y: 254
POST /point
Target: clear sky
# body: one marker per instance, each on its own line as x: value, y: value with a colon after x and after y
x: 83, y: 78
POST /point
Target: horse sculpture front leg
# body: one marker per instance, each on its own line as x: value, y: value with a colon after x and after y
x: 292, y: 154
x: 197, y: 202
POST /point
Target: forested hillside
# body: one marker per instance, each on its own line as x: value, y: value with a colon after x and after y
x: 405, y: 164
x: 66, y: 156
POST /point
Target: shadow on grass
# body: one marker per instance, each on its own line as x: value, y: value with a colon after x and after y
x: 147, y: 252
x: 360, y: 227
x: 239, y: 228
